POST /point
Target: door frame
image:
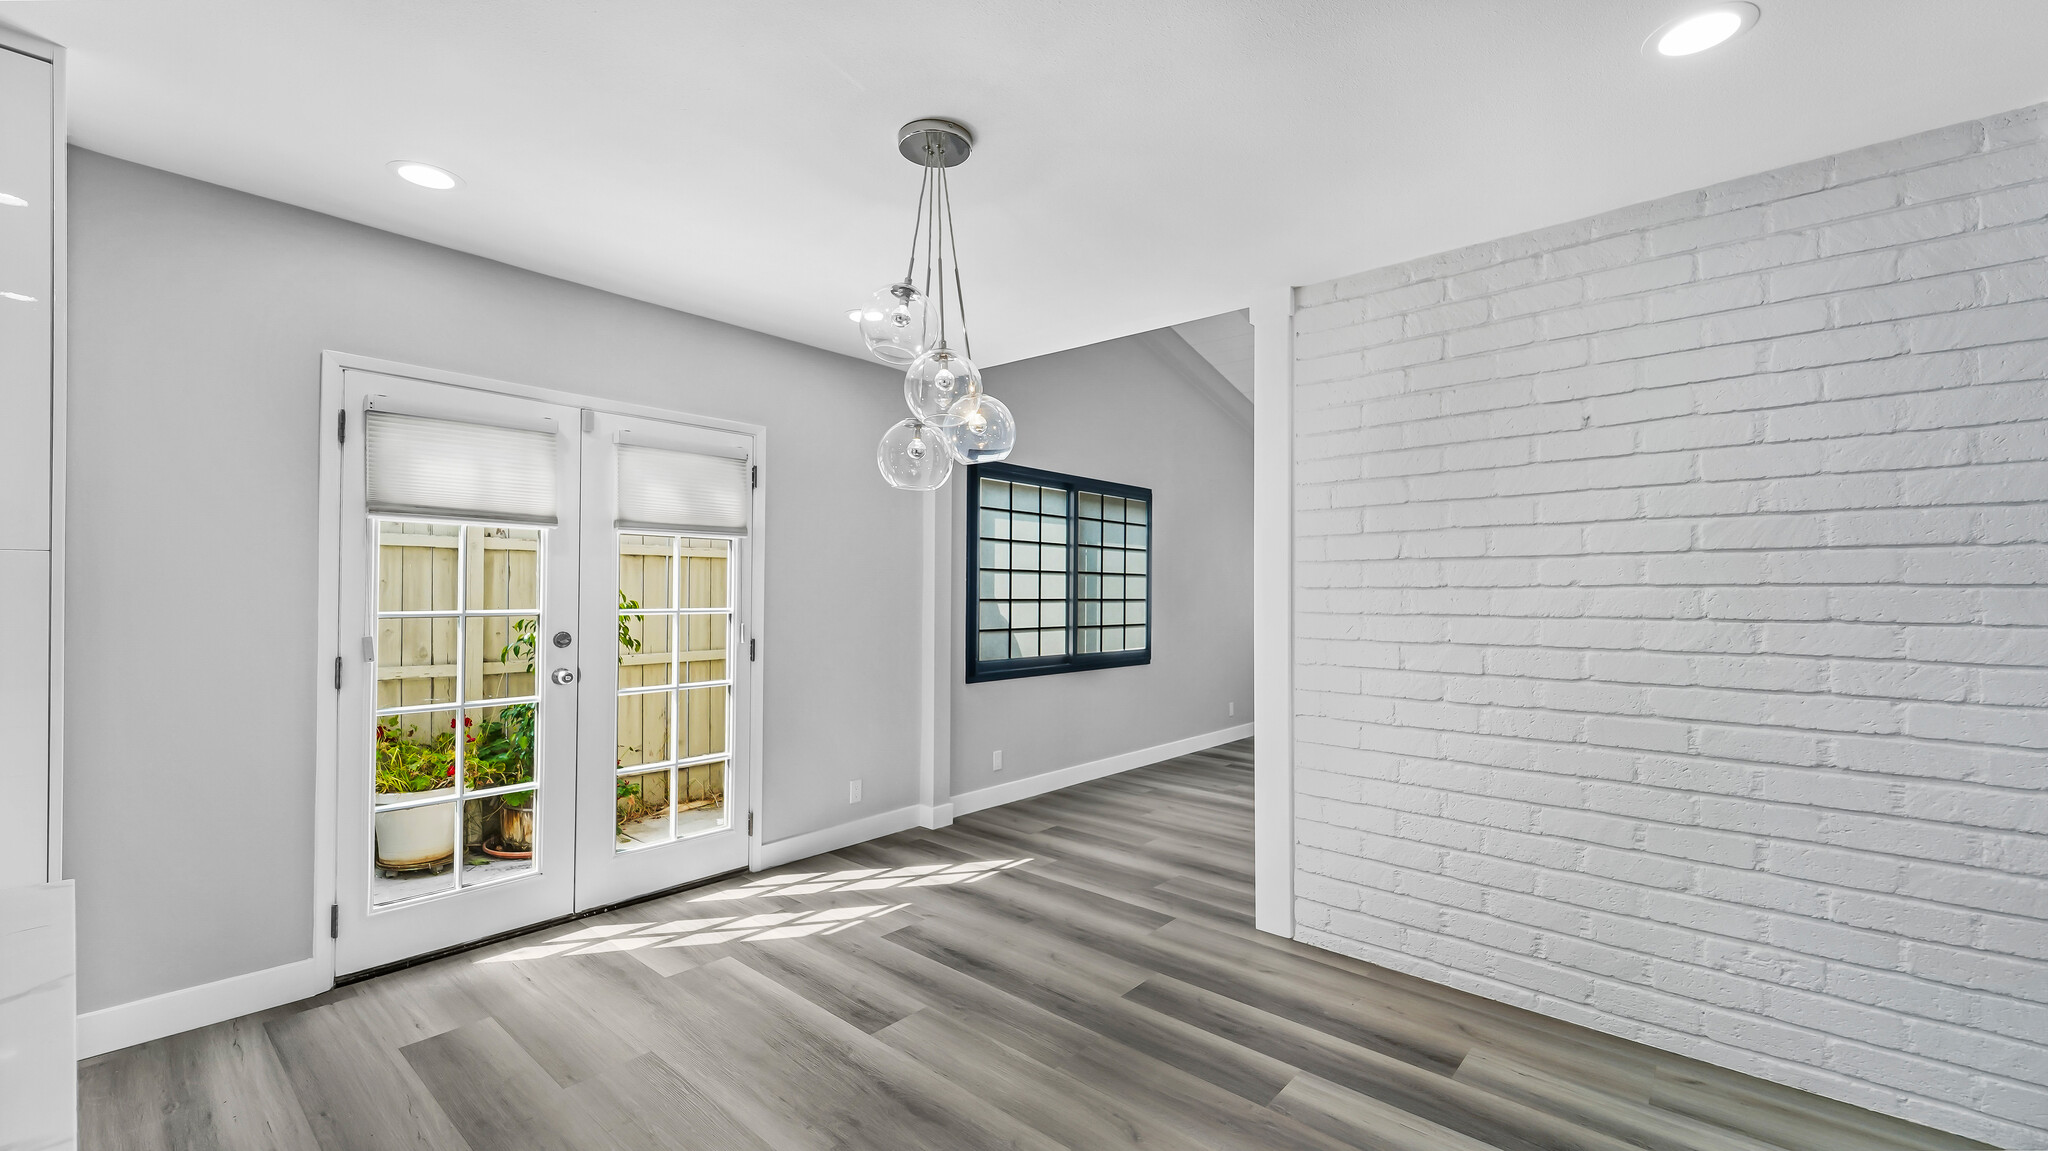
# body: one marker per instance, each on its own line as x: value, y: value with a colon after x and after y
x: 329, y: 644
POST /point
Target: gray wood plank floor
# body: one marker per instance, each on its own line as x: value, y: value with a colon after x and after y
x: 1073, y: 971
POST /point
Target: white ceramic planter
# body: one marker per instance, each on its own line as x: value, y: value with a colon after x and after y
x: 416, y: 836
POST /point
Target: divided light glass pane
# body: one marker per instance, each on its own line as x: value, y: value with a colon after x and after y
x: 1088, y: 639
x: 995, y: 494
x: 1052, y: 529
x: 1023, y: 644
x: 498, y: 745
x: 1023, y: 498
x: 1134, y: 611
x: 1025, y: 528
x: 498, y: 656
x: 994, y: 615
x: 643, y: 732
x: 700, y: 798
x: 415, y: 853
x: 705, y: 639
x: 415, y: 660
x: 414, y: 756
x: 416, y: 565
x: 642, y: 819
x: 1113, y: 559
x: 497, y: 836
x: 704, y: 570
x: 1052, y: 613
x: 1052, y: 557
x: 1024, y: 613
x: 502, y: 567
x: 1134, y: 536
x: 644, y: 649
x: 995, y: 645
x: 1113, y: 535
x: 703, y: 723
x: 1090, y: 505
x: 995, y: 524
x: 1135, y: 511
x: 1052, y: 642
x: 1053, y: 502
x: 646, y: 571
x: 1112, y: 508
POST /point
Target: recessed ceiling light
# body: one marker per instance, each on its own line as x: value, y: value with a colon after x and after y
x: 1701, y: 30
x: 426, y: 175
x: 13, y: 201
x: 18, y: 296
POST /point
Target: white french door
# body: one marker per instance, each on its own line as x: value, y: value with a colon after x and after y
x: 539, y: 710
x: 663, y: 678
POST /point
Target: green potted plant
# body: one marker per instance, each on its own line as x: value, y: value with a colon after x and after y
x: 411, y: 767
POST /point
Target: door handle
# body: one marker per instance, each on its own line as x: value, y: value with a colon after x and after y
x: 562, y: 675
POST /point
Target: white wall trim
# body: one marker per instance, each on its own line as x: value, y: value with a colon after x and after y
x: 126, y: 1024
x: 1058, y: 778
x: 833, y: 838
x: 1273, y: 609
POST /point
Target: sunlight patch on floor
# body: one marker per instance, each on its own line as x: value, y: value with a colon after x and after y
x: 699, y: 932
x: 866, y: 879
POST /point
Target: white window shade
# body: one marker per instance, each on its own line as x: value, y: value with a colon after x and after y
x: 664, y: 490
x: 414, y: 465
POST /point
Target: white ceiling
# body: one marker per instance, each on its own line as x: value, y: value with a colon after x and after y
x: 1141, y: 162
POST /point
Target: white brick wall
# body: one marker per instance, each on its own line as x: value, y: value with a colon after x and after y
x: 1671, y: 623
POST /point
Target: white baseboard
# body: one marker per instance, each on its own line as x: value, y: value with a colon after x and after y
x: 126, y: 1024
x: 1046, y: 781
x: 795, y: 847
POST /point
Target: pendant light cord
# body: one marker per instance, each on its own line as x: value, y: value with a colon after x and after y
x: 917, y: 226
x: 953, y: 239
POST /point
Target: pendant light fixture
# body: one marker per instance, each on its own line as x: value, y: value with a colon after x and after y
x: 911, y: 324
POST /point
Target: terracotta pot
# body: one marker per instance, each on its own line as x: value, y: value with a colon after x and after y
x: 416, y: 836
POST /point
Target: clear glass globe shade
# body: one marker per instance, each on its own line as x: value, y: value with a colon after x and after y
x: 914, y: 457
x: 936, y: 382
x: 893, y: 322
x: 985, y: 433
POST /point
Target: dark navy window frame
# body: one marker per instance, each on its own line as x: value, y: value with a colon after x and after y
x: 981, y: 670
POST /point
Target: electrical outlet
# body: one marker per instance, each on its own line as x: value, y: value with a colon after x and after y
x: 1233, y: 707
x: 999, y: 760
x: 853, y: 791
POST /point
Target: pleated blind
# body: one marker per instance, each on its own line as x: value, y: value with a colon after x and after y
x: 665, y: 490
x: 415, y: 465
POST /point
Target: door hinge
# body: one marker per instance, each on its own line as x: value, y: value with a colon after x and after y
x: 337, y: 673
x: 754, y: 475
x: 750, y: 823
x: 334, y: 921
x: 752, y: 654
x: 341, y: 426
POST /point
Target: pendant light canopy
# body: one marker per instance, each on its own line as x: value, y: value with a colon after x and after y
x: 910, y: 324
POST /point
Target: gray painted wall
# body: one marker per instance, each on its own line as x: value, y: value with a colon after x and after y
x: 1116, y: 411
x: 198, y: 315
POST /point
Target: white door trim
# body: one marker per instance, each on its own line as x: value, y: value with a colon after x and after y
x: 327, y: 622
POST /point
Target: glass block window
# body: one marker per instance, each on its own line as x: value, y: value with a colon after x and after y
x: 1058, y: 575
